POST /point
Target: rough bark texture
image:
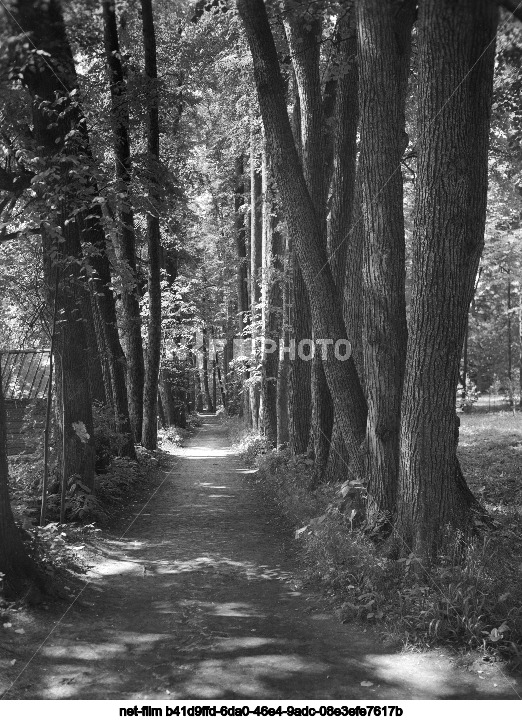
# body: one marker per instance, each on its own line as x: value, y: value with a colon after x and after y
x: 384, y: 31
x: 456, y: 57
x: 304, y: 31
x: 343, y: 230
x: 44, y: 24
x: 150, y: 392
x: 283, y: 419
x: 301, y: 218
x: 256, y: 229
x: 126, y: 240
x: 300, y: 327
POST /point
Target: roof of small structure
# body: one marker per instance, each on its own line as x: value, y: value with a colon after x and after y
x: 25, y: 373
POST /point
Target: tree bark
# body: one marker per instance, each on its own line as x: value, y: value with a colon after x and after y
x: 384, y: 32
x: 456, y: 51
x: 300, y: 328
x: 301, y: 218
x: 150, y: 392
x: 256, y: 229
x: 126, y: 239
x: 345, y: 232
x: 283, y: 367
x: 206, y: 385
x: 304, y: 32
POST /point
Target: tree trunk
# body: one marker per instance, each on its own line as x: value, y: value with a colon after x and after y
x: 272, y: 252
x: 301, y: 218
x: 126, y: 240
x: 256, y: 227
x: 300, y: 328
x: 206, y: 386
x: 345, y: 232
x: 304, y: 40
x: 239, y: 234
x: 150, y: 392
x: 43, y: 22
x: 384, y: 31
x: 283, y: 367
x: 456, y: 51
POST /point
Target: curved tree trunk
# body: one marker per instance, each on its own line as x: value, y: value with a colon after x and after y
x: 301, y: 218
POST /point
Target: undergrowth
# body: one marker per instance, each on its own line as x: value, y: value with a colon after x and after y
x: 470, y: 603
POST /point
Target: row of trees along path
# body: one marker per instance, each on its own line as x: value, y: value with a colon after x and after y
x: 237, y: 170
x: 197, y: 600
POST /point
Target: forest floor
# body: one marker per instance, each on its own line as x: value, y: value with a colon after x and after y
x: 196, y: 595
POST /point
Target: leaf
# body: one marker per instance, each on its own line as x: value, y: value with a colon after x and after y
x: 366, y: 683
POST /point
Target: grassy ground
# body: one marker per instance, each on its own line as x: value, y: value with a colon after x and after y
x: 470, y: 604
x: 490, y: 450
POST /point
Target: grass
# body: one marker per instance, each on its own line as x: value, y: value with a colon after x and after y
x: 473, y: 603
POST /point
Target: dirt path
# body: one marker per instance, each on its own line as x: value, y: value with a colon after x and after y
x: 197, y: 602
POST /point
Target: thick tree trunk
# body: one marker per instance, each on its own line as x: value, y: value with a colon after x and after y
x: 301, y: 218
x: 345, y: 231
x: 384, y: 30
x: 456, y: 51
x: 43, y: 22
x: 126, y: 240
x: 304, y: 39
x: 149, y: 436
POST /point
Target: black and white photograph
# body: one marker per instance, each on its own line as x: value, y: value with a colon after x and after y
x: 261, y: 358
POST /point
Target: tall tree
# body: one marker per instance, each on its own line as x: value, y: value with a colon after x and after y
x: 456, y: 50
x: 126, y: 237
x: 384, y: 31
x: 302, y: 221
x: 303, y: 25
x: 150, y: 394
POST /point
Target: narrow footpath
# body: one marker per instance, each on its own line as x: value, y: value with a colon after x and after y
x: 198, y: 601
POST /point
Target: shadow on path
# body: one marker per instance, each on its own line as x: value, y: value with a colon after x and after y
x: 198, y: 602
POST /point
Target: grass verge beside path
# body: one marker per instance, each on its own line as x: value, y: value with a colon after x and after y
x: 472, y: 605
